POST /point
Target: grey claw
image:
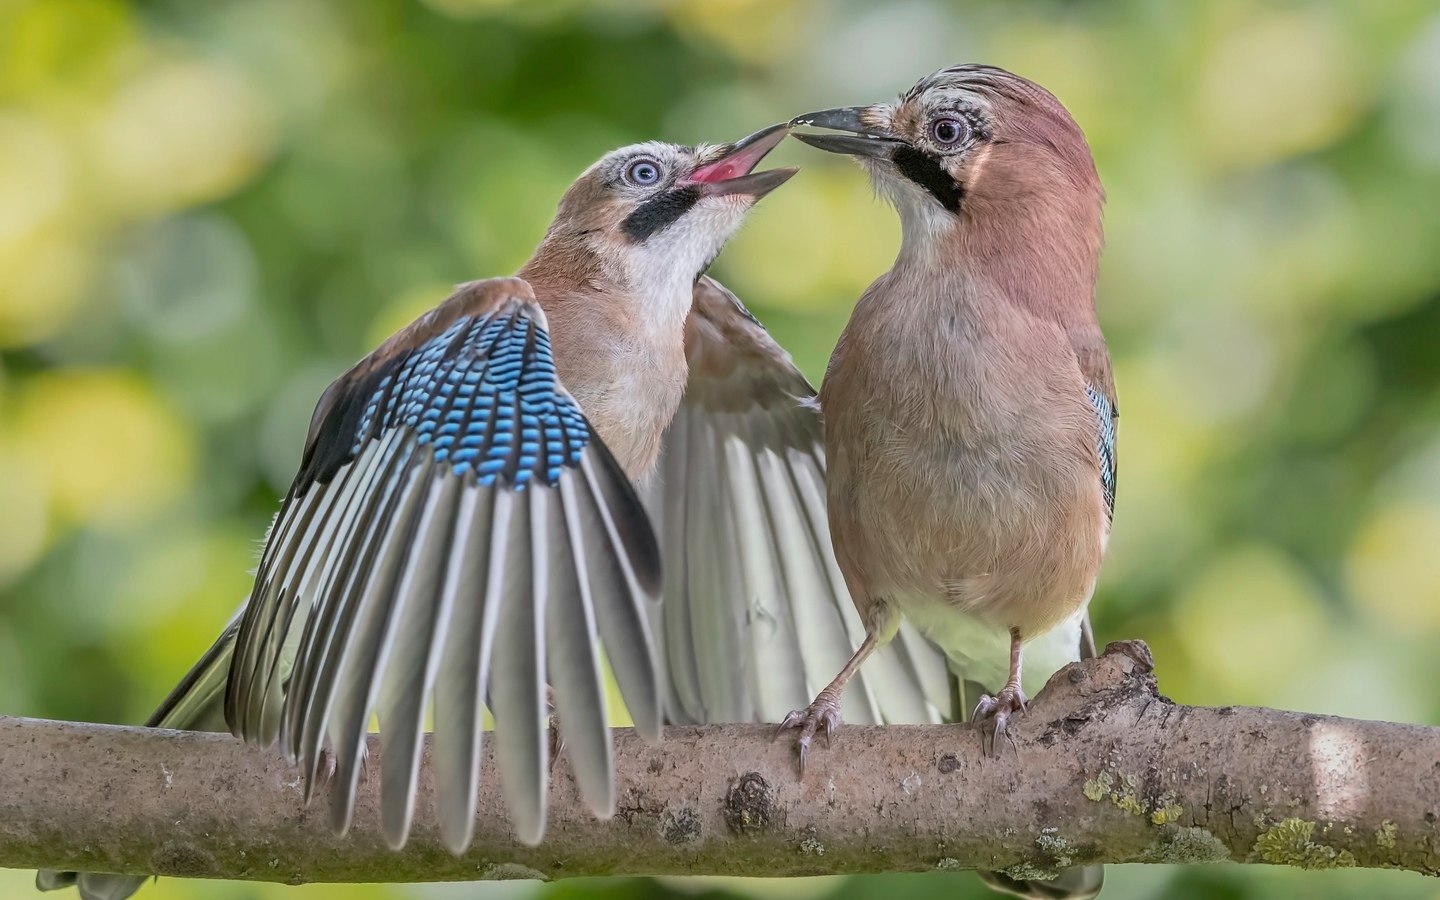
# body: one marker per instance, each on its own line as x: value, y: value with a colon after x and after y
x: 822, y: 715
x: 793, y: 718
x: 557, y: 745
x: 992, y: 717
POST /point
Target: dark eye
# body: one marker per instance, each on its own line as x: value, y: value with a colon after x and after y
x: 949, y: 131
x: 643, y: 172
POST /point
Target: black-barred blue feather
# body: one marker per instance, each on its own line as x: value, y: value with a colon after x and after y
x: 483, y: 395
x: 1105, y: 445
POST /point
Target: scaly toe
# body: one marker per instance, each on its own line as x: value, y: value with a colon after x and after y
x: 984, y: 708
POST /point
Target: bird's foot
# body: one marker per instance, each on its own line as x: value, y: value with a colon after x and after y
x: 330, y: 762
x: 992, y: 716
x: 822, y: 715
x: 557, y: 738
x: 329, y: 767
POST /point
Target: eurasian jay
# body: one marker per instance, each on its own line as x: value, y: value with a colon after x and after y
x: 969, y: 406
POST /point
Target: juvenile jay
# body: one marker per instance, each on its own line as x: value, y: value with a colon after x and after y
x: 969, y: 405
x: 465, y: 528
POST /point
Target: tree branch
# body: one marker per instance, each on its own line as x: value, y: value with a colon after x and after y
x: 1102, y: 769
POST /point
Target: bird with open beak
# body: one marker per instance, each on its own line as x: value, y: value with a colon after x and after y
x: 969, y: 406
x: 465, y: 529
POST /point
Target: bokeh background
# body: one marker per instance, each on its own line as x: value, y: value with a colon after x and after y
x: 208, y: 210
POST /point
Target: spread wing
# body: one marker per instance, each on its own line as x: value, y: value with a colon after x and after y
x: 457, y: 535
x: 756, y: 617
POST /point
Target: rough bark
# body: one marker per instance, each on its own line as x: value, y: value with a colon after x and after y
x: 1101, y: 769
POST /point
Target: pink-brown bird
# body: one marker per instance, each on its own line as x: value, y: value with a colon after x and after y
x: 969, y: 405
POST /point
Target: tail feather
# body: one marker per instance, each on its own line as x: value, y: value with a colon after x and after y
x: 196, y: 704
x: 92, y: 885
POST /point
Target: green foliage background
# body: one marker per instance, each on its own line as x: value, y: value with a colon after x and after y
x: 208, y: 209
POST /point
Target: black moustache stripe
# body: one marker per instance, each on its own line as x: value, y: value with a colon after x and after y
x: 659, y: 212
x: 925, y: 171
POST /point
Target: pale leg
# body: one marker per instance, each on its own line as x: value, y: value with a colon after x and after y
x: 824, y: 711
x: 992, y: 714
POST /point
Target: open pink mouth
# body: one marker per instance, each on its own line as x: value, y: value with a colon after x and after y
x: 743, y: 157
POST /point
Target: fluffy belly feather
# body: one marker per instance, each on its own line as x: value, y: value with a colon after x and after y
x: 986, y: 533
x: 964, y: 483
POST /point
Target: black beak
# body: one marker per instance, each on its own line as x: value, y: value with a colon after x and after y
x: 733, y: 172
x: 861, y: 141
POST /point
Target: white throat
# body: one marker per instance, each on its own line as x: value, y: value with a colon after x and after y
x: 923, y: 223
x: 661, y: 272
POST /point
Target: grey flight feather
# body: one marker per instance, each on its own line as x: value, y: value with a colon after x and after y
x: 410, y: 675
x: 465, y: 667
x: 573, y: 661
x: 517, y: 683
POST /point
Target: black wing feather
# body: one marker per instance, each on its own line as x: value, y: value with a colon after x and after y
x: 1105, y: 416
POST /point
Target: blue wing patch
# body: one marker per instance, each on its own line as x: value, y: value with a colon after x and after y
x: 484, y: 395
x: 1105, y: 444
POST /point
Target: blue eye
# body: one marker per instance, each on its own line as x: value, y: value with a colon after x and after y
x: 643, y: 172
x: 949, y: 131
